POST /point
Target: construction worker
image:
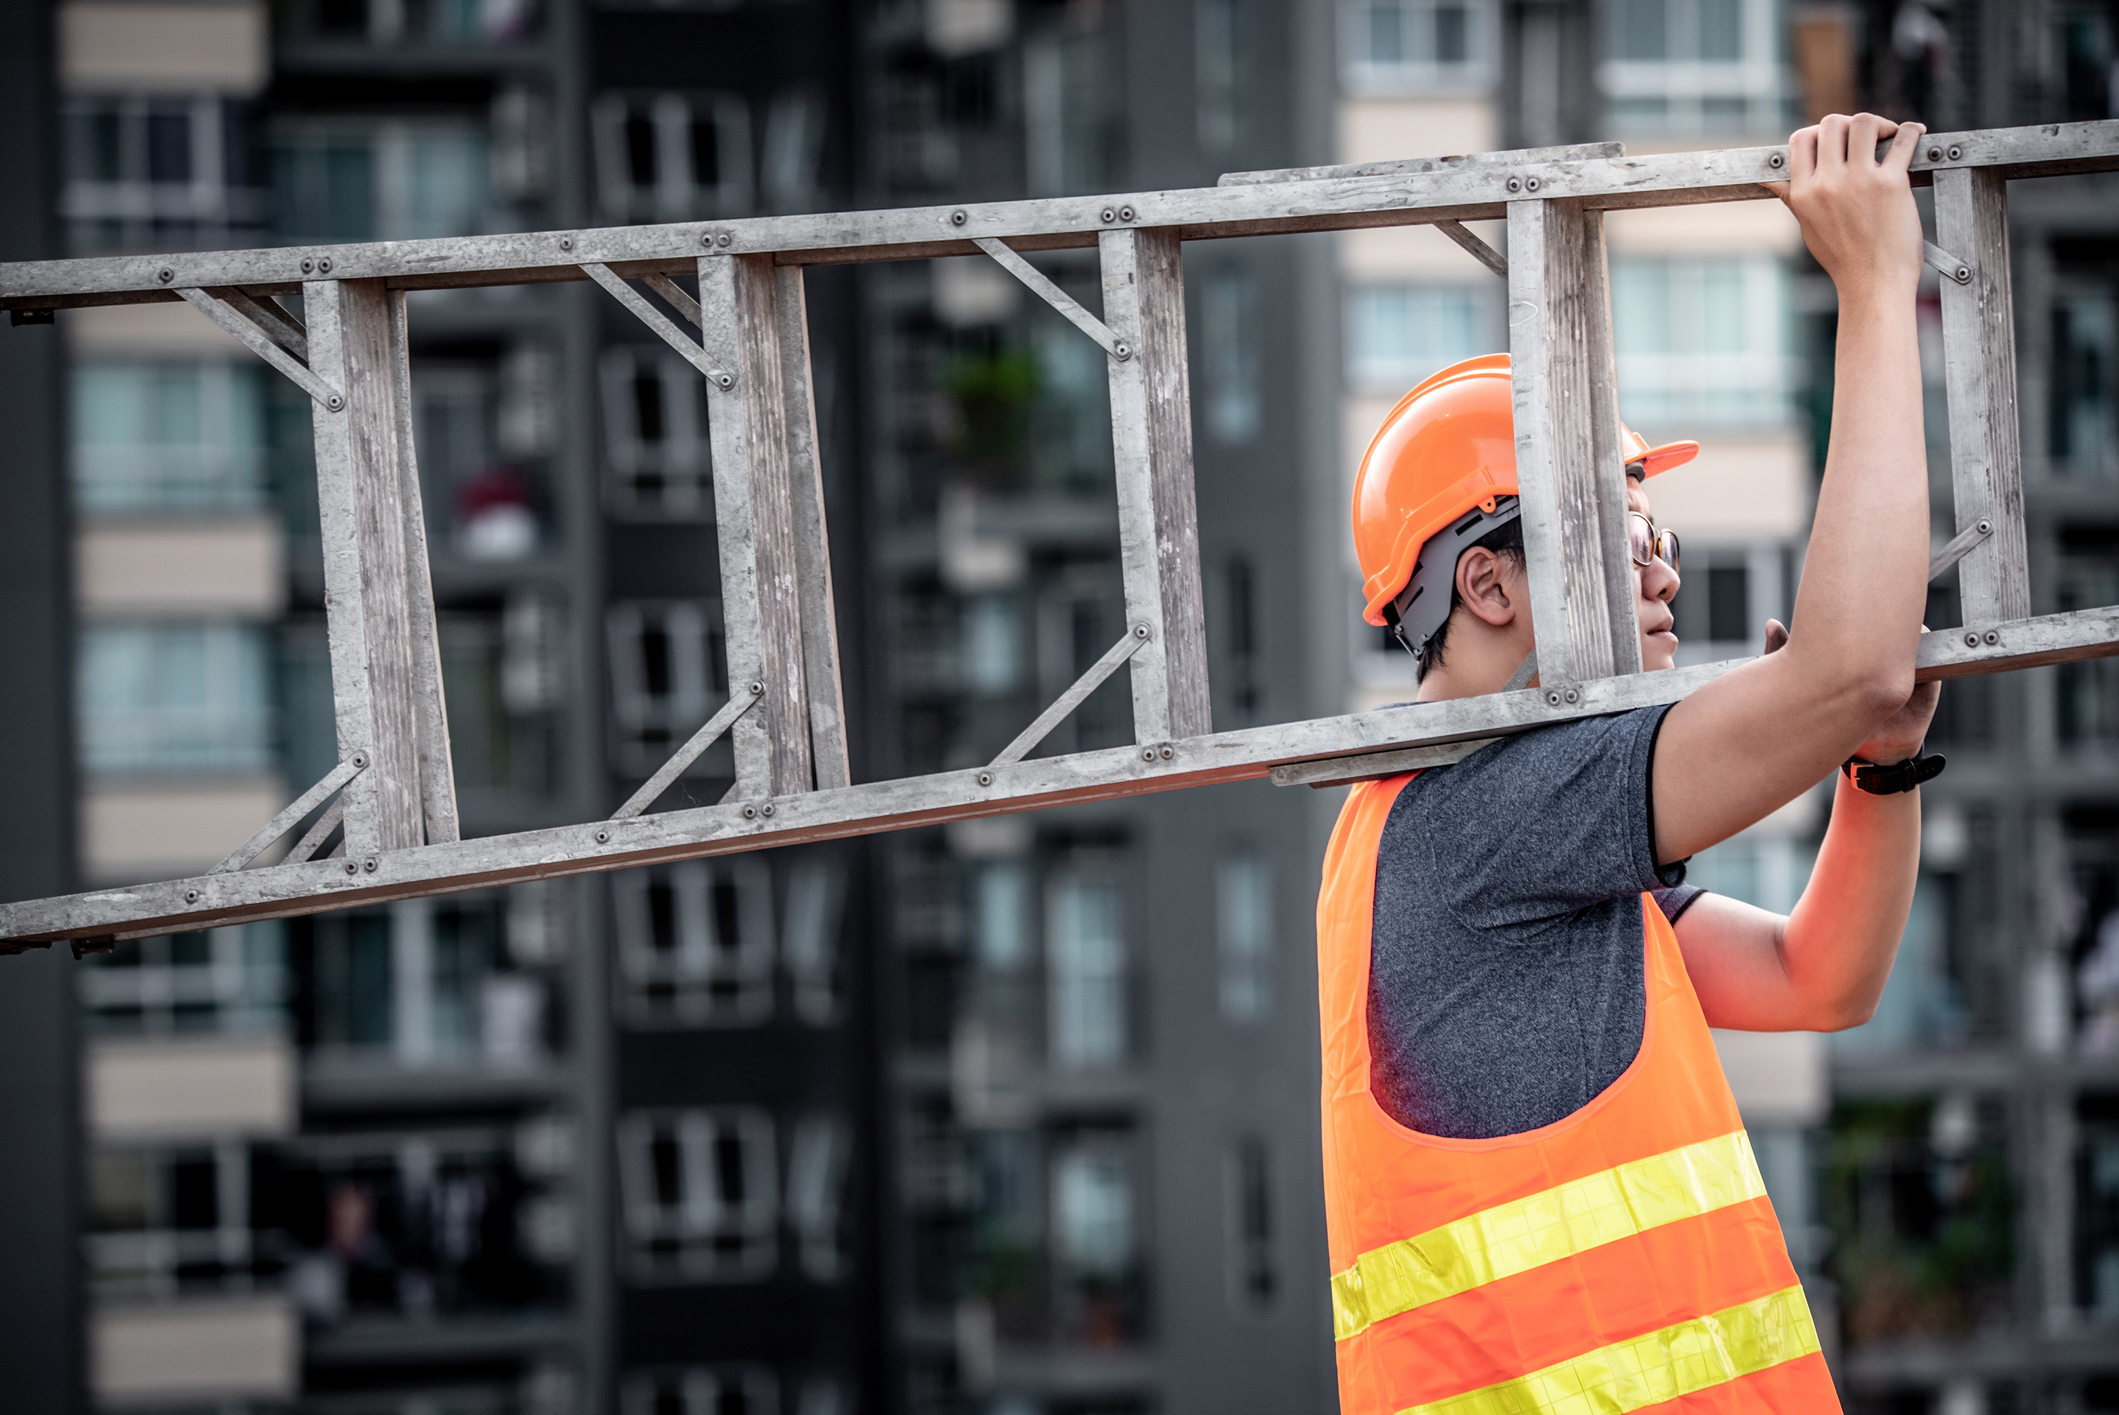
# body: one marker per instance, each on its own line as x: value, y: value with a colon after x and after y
x: 1539, y: 1192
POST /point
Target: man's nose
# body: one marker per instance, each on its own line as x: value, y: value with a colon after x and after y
x: 1659, y: 581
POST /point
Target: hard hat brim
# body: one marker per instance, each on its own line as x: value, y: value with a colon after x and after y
x: 1671, y: 454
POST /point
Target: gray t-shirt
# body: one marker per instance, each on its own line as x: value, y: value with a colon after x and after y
x: 1505, y: 981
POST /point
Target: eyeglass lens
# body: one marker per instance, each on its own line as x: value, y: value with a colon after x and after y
x: 1647, y: 544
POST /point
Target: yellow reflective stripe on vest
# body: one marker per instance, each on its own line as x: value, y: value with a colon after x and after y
x: 1543, y: 1228
x: 1648, y: 1370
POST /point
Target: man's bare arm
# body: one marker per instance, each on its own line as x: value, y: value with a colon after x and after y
x: 1756, y: 738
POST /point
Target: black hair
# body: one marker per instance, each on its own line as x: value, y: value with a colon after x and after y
x: 1505, y: 541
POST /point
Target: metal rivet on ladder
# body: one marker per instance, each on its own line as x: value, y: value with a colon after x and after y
x: 307, y: 265
x: 1140, y: 631
x: 1993, y: 636
x: 766, y: 809
x: 1574, y: 695
x: 723, y: 239
x: 1148, y: 755
x: 371, y: 864
x: 1553, y: 699
x: 1971, y: 641
x: 985, y: 778
x: 351, y: 868
x: 958, y: 218
x: 323, y: 265
x: 750, y: 813
x: 1955, y: 152
x: 1777, y: 161
x: 1530, y: 184
x: 191, y: 896
x: 756, y: 688
x: 335, y: 402
x: 167, y: 275
x: 1110, y: 214
x: 1125, y: 213
x: 1984, y: 526
x: 1169, y: 752
x: 1934, y: 154
x: 1122, y: 350
x: 603, y: 837
x: 360, y: 759
x: 1515, y: 184
x: 566, y: 243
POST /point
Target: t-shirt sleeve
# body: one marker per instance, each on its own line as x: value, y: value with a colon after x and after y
x: 1674, y: 902
x: 1546, y: 823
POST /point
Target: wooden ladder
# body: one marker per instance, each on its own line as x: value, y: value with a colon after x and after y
x: 391, y: 799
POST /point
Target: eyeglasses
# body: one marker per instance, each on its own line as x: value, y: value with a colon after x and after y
x: 1647, y: 544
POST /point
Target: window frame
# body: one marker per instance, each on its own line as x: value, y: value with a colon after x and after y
x: 706, y: 1238
x: 675, y: 194
x: 1419, y: 78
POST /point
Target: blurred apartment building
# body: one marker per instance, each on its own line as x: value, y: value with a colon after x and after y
x: 545, y: 1149
x: 1948, y: 1173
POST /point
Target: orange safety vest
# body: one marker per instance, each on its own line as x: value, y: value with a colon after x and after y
x: 1620, y: 1259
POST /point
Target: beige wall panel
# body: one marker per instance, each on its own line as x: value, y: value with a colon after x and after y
x: 217, y: 567
x: 196, y: 1350
x: 148, y: 331
x: 135, y: 833
x: 1710, y: 228
x: 1740, y: 489
x: 1418, y: 252
x: 160, y: 1090
x: 1378, y: 129
x: 1778, y: 1077
x: 170, y: 48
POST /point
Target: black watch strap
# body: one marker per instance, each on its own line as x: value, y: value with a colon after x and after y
x: 1891, y: 780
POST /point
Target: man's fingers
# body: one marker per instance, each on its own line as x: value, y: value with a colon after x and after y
x: 1802, y: 155
x: 1904, y: 144
x: 1832, y: 142
x: 1779, y: 189
x: 1864, y: 132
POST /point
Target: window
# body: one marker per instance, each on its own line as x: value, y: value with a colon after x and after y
x: 790, y: 162
x: 816, y: 1195
x: 668, y: 675
x: 422, y: 983
x: 419, y: 1225
x: 698, y: 1190
x: 814, y: 964
x: 389, y: 180
x: 228, y: 980
x: 178, y: 1220
x: 1696, y: 67
x: 472, y: 436
x: 159, y: 173
x: 1399, y: 334
x: 701, y: 1390
x: 1217, y: 74
x: 994, y: 647
x: 169, y: 436
x: 175, y: 698
x: 1095, y: 1238
x: 1401, y: 46
x: 1085, y: 958
x: 671, y: 156
x: 1254, y: 1278
x: 2081, y: 433
x: 2097, y: 1210
x: 503, y: 680
x: 1000, y: 916
x: 695, y: 942
x: 655, y: 435
x: 1229, y: 349
x: 1240, y: 677
x: 1067, y: 127
x: 1701, y: 342
x: 1728, y: 594
x: 399, y: 21
x: 1243, y: 918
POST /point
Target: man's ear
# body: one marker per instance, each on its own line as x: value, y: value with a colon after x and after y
x: 1483, y: 584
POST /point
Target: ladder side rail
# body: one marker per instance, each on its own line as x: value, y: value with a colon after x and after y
x: 760, y: 599
x: 437, y: 764
x: 283, y: 890
x: 1471, y: 191
x: 1979, y: 348
x: 1571, y: 483
x: 812, y: 538
x: 1158, y: 515
x: 368, y: 609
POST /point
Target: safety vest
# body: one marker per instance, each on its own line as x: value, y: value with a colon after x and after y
x: 1623, y: 1257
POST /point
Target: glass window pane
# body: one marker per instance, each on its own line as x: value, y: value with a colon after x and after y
x: 1721, y: 29
x: 1643, y: 29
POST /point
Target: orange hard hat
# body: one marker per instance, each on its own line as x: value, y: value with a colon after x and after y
x: 1449, y: 446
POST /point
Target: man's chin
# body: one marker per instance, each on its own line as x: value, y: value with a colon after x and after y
x: 1658, y: 651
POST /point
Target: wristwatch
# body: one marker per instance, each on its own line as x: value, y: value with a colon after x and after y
x: 1892, y: 779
